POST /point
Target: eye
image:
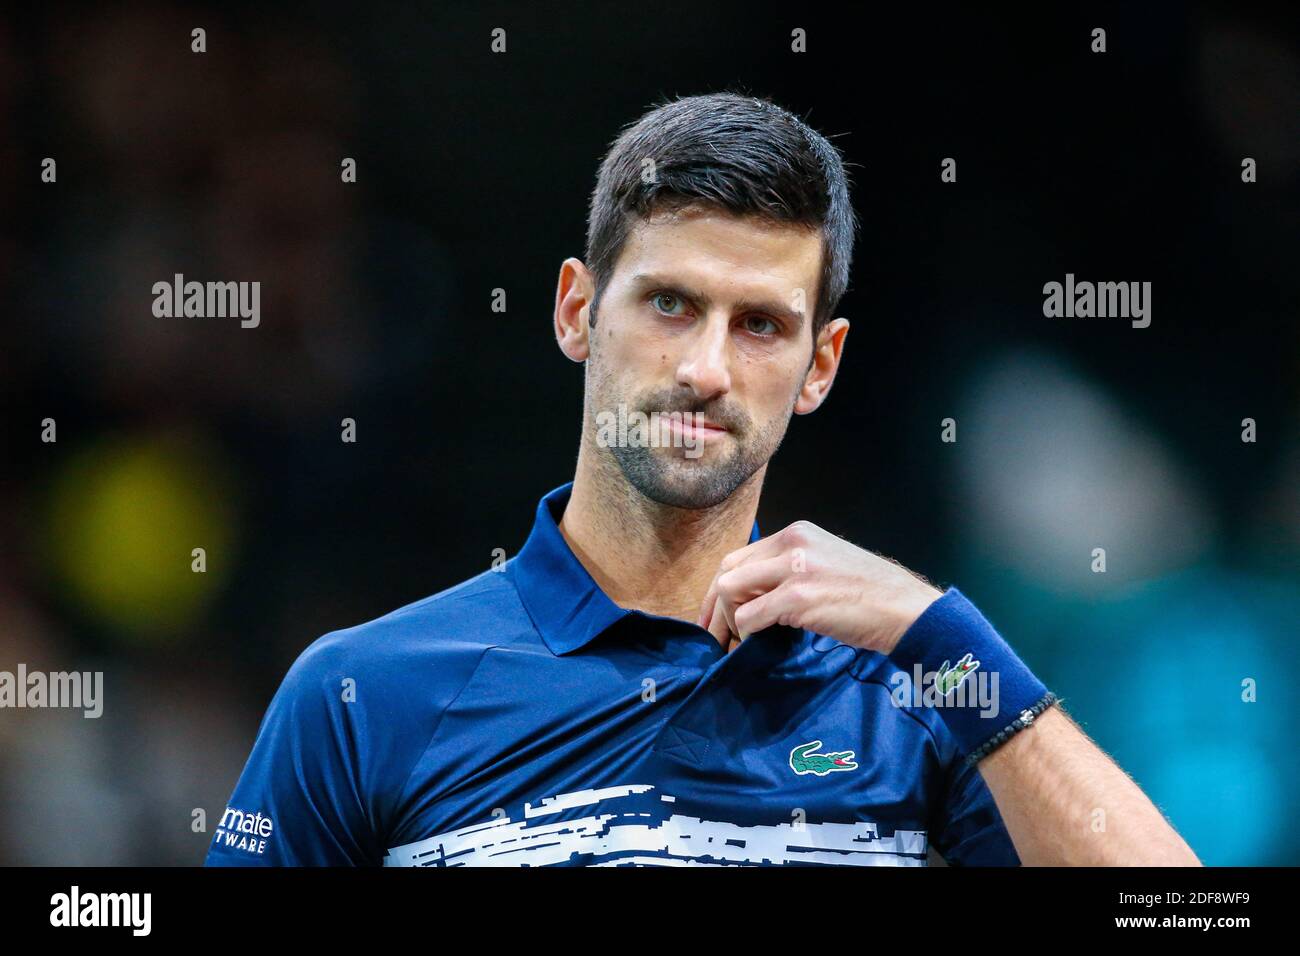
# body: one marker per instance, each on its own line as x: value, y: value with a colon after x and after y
x: 761, y: 325
x: 659, y: 298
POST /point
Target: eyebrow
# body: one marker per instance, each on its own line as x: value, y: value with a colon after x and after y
x: 647, y: 280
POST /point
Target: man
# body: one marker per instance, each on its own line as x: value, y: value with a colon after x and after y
x: 650, y: 681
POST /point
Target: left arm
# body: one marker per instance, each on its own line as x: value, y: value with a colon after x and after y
x: 1062, y: 800
x: 1065, y: 803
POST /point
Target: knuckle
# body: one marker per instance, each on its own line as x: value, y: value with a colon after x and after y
x: 796, y: 591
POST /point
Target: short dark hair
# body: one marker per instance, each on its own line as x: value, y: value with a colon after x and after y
x: 739, y: 153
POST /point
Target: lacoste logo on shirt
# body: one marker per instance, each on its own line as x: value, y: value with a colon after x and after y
x: 803, y: 760
x: 948, y: 678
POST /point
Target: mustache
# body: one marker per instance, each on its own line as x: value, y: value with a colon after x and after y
x: 719, y: 413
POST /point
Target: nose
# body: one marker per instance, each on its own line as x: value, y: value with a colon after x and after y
x: 705, y: 366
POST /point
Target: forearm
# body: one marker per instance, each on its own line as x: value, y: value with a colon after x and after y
x: 1065, y: 803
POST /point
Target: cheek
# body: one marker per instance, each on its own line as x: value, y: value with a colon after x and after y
x: 771, y: 388
x: 633, y: 362
x: 639, y: 355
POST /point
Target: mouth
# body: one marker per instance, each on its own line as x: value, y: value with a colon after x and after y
x: 694, y: 427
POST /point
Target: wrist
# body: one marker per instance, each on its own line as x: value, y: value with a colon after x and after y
x: 910, y: 606
x: 958, y: 663
x: 907, y: 610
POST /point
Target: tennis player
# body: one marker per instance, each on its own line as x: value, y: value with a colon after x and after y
x: 651, y: 680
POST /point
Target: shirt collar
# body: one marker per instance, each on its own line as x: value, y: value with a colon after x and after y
x: 568, y: 607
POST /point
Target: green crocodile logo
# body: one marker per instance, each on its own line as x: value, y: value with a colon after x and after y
x: 947, y: 678
x: 803, y: 760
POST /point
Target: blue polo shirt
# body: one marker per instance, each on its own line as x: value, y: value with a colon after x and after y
x: 521, y: 718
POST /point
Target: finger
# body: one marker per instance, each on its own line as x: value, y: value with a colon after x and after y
x: 724, y: 613
x: 746, y: 582
x: 706, y: 609
x: 720, y: 629
x: 761, y: 549
x: 749, y: 580
x: 785, y: 601
x: 720, y: 614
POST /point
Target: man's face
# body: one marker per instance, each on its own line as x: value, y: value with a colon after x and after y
x: 711, y: 314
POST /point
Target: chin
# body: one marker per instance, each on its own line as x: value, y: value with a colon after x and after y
x: 688, y: 484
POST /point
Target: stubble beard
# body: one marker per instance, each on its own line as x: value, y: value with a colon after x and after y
x: 666, y: 474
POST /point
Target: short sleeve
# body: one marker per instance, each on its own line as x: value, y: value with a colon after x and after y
x: 298, y: 801
x: 970, y: 831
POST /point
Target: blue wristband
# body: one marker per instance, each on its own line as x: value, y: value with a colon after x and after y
x: 948, y: 648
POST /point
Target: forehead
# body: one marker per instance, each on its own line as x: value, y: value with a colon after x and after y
x: 710, y: 246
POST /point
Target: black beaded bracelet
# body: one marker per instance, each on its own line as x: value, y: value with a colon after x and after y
x: 1002, y: 736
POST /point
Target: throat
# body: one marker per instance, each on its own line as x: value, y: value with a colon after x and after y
x: 651, y: 557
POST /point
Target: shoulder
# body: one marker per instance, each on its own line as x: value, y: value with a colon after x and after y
x: 422, y: 651
x: 359, y: 705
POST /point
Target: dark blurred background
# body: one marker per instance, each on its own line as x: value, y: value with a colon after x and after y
x: 474, y: 171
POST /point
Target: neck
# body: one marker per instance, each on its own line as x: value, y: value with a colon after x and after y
x: 646, y: 555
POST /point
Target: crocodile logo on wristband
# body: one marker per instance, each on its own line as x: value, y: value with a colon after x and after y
x: 947, y: 678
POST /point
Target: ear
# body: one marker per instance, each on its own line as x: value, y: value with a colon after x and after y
x: 825, y: 363
x: 573, y: 295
